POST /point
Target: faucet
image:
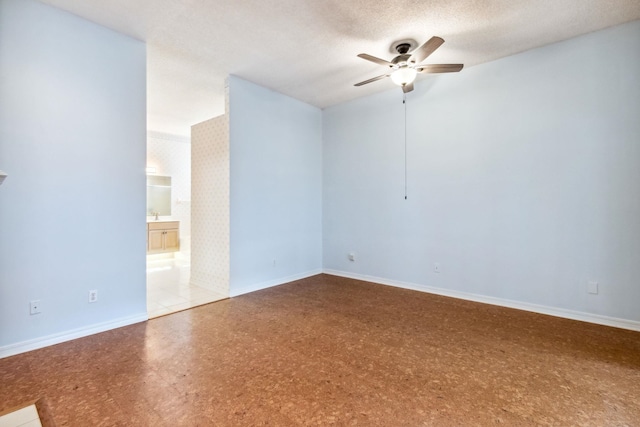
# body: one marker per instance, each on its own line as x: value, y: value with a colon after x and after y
x: 156, y: 215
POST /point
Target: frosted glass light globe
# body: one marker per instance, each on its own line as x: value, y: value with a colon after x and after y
x: 404, y: 76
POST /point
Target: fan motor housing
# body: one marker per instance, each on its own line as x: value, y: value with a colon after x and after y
x: 401, y: 59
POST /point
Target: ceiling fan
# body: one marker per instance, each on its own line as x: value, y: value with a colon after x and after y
x: 404, y: 68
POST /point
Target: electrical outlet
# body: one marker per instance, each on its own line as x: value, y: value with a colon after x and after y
x: 93, y: 295
x: 34, y: 307
x: 436, y: 267
x: 352, y: 256
x: 592, y: 287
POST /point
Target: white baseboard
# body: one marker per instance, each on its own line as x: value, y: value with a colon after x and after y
x: 241, y: 290
x: 535, y: 308
x: 36, y: 343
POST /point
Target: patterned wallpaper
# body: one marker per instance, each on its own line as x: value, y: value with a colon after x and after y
x: 171, y: 156
x: 210, y: 204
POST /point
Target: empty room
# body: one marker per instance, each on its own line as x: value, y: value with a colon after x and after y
x: 401, y: 213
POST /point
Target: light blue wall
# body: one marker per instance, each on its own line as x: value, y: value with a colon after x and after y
x: 72, y: 210
x: 523, y: 178
x: 276, y: 187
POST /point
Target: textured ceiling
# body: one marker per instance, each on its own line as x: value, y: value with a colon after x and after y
x: 307, y: 48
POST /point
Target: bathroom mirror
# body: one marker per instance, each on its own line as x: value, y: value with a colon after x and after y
x: 158, y: 195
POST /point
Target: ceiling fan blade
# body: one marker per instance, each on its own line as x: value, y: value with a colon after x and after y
x: 407, y: 88
x: 421, y: 53
x: 372, y: 80
x: 376, y: 60
x: 439, y: 68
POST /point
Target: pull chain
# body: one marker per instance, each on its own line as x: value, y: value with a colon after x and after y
x: 404, y: 101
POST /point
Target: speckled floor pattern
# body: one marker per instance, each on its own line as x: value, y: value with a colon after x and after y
x: 335, y: 351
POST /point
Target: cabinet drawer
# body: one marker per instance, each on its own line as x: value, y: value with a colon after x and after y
x: 168, y: 225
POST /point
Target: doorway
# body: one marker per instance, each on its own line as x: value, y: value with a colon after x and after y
x: 169, y: 287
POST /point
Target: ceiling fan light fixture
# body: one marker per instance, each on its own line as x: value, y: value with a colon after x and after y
x: 404, y: 76
x: 404, y: 68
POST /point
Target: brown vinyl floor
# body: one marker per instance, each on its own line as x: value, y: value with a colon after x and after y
x: 335, y: 351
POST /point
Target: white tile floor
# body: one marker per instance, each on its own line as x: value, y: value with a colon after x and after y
x: 168, y: 288
x: 25, y: 417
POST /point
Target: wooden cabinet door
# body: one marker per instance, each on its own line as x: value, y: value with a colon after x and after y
x: 163, y: 237
x: 171, y: 240
x: 155, y: 240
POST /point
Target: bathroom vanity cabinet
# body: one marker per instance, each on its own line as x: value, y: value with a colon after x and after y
x: 163, y: 236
